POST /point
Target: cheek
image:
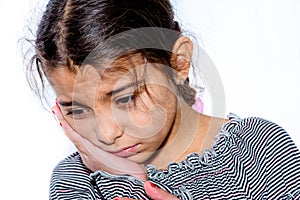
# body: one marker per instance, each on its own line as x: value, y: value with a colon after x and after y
x: 148, y: 120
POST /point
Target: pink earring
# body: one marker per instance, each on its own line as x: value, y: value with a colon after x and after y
x: 198, y: 105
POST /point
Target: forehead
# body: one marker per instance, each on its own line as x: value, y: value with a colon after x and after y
x: 88, y: 77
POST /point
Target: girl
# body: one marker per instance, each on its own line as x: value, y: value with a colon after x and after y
x: 120, y: 72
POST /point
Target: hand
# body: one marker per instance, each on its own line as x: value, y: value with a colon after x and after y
x: 97, y: 159
x: 154, y: 193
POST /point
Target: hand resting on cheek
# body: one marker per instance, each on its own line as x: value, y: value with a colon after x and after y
x: 95, y: 158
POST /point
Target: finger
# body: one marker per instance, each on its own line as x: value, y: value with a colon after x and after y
x: 68, y: 130
x: 156, y: 193
x: 57, y: 112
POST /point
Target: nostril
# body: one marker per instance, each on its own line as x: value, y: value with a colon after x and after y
x: 105, y: 141
x: 109, y: 138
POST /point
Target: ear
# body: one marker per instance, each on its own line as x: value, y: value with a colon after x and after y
x: 181, y: 58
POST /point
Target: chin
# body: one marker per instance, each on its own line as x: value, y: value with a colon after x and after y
x: 141, y: 158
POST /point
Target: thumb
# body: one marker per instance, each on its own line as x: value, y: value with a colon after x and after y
x: 156, y: 193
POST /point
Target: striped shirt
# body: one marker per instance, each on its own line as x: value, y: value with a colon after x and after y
x: 251, y: 158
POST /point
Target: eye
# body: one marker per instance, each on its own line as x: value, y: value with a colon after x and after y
x: 78, y: 113
x: 125, y: 100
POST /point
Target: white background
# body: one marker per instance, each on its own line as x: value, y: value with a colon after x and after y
x: 254, y: 44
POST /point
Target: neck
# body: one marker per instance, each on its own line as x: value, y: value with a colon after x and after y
x: 183, y: 139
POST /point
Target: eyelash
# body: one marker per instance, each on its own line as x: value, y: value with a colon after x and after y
x: 77, y: 113
x: 125, y: 101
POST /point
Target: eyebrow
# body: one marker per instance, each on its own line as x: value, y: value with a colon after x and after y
x: 75, y: 103
x: 138, y: 83
x: 69, y: 103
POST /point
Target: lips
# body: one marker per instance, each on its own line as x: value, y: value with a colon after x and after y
x: 126, y: 152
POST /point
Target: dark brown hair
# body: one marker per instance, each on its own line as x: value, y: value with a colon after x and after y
x: 73, y: 32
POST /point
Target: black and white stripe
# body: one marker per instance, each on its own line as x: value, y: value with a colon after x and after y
x: 251, y: 159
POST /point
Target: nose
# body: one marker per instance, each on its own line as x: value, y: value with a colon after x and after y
x: 108, y: 130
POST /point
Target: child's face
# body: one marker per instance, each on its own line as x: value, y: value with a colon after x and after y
x: 106, y: 110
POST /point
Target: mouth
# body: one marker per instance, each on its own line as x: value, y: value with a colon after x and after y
x: 126, y: 152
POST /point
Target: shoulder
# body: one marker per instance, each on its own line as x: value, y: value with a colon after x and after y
x: 262, y: 139
x: 70, y: 176
x: 70, y: 166
x: 256, y: 129
x: 267, y: 150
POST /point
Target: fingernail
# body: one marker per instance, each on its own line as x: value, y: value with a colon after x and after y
x: 53, y: 112
x: 60, y: 123
x: 56, y: 102
x: 116, y: 198
x: 152, y: 185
